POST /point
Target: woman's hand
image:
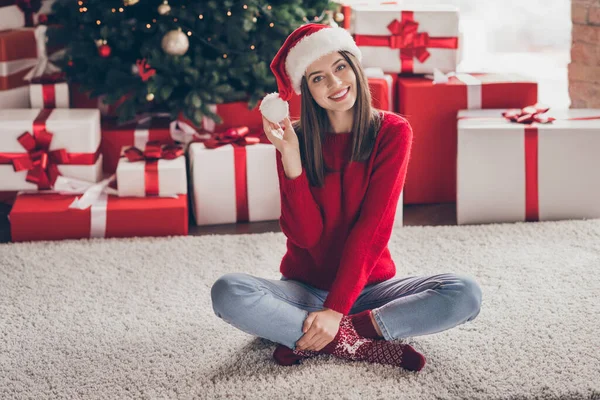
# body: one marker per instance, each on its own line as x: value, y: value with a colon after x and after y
x: 320, y: 328
x: 285, y: 139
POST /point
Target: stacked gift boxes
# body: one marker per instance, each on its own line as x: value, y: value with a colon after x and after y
x: 40, y: 147
x: 410, y: 43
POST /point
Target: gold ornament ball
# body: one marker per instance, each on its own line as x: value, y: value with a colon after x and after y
x: 150, y: 96
x: 339, y: 17
x: 175, y: 43
x: 130, y: 2
x: 164, y: 8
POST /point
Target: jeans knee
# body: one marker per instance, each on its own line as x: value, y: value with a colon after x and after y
x: 226, y: 291
x: 471, y: 295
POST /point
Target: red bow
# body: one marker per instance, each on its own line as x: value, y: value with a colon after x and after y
x: 144, y: 69
x: 234, y: 136
x: 154, y: 151
x: 39, y: 161
x: 529, y: 114
x: 405, y: 36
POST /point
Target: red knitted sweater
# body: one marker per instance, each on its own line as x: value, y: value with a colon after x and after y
x: 337, y: 235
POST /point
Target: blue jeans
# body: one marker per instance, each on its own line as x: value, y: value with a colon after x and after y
x: 403, y: 307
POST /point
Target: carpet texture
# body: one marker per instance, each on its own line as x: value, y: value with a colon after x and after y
x: 132, y: 318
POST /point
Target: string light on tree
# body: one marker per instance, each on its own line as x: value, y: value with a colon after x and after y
x: 164, y: 8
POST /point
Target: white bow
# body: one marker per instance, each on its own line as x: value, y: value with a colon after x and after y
x: 91, y: 192
x: 43, y: 65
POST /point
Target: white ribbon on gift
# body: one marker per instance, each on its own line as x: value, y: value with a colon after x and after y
x: 43, y: 65
x: 473, y: 86
x: 185, y: 133
x: 95, y: 196
x: 208, y: 124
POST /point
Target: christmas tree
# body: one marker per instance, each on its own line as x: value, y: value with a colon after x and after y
x: 177, y: 56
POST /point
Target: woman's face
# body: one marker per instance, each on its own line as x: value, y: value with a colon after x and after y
x: 332, y: 82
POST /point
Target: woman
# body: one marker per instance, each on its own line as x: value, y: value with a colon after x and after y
x: 341, y: 171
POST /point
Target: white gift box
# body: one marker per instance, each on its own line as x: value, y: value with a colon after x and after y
x: 60, y: 96
x: 500, y: 180
x: 131, y: 177
x: 11, y: 17
x: 75, y: 130
x: 439, y: 23
x: 214, y: 176
x: 15, y: 98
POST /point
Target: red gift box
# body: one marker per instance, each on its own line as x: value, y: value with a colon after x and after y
x: 83, y: 99
x: 48, y: 217
x: 116, y: 136
x: 431, y: 110
x: 237, y: 114
x: 18, y: 55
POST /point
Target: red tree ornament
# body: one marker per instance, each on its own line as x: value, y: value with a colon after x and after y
x: 144, y: 69
x: 104, y: 50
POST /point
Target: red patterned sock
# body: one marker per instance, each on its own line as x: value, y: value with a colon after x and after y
x: 349, y: 345
x: 364, y: 325
x: 283, y: 355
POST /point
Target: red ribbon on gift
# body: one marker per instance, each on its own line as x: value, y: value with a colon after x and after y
x: 529, y: 115
x: 239, y: 138
x: 41, y: 162
x: 153, y: 152
x: 48, y: 88
x: 411, y: 43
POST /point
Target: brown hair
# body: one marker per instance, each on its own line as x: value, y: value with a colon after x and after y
x: 314, y: 123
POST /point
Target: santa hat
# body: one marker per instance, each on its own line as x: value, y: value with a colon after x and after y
x: 302, y: 47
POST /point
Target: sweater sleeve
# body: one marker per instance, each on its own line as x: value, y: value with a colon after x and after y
x: 301, y: 220
x: 371, y: 233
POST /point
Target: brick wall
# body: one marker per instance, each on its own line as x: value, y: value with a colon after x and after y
x: 584, y: 69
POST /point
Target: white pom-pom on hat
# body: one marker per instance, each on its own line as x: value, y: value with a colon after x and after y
x: 302, y: 47
x: 274, y: 108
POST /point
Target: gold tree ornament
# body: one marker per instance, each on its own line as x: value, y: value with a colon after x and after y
x: 150, y: 96
x: 127, y: 3
x: 339, y: 17
x: 175, y: 43
x: 164, y: 8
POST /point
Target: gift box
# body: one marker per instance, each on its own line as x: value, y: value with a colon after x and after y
x: 115, y: 136
x: 510, y: 171
x: 15, y: 98
x: 234, y: 183
x: 156, y: 171
x: 18, y: 55
x: 406, y: 39
x: 18, y: 14
x: 431, y: 108
x: 235, y: 114
x: 382, y: 90
x: 49, y: 91
x: 23, y: 56
x: 47, y: 216
x: 38, y: 145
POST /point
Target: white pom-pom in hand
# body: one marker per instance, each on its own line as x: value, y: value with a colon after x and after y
x: 274, y: 108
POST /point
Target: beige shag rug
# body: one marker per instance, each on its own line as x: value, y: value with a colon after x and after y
x: 132, y: 318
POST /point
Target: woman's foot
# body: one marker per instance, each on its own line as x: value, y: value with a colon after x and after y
x: 349, y: 345
x: 283, y: 355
